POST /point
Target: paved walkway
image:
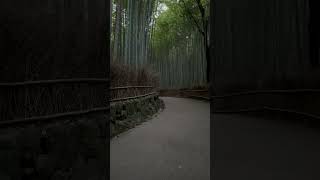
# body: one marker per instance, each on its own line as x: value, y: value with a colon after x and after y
x: 175, y: 145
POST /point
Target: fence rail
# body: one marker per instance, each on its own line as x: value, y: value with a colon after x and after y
x: 130, y: 92
x: 200, y: 90
x: 132, y: 97
x: 263, y: 92
x: 131, y: 87
x: 51, y: 117
x: 58, y: 115
x: 195, y: 94
x: 57, y: 81
x: 267, y: 92
x: 267, y: 108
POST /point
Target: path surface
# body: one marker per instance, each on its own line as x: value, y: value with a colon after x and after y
x: 175, y: 145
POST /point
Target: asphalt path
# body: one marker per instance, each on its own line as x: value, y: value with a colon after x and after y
x: 174, y: 145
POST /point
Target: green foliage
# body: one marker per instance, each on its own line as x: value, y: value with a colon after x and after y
x: 171, y: 28
x: 178, y: 43
x: 175, y: 26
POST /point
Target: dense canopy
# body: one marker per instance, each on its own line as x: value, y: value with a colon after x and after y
x: 169, y: 36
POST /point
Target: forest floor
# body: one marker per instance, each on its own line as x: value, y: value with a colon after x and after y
x: 174, y: 145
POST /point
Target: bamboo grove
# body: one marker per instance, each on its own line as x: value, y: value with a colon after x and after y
x: 159, y: 34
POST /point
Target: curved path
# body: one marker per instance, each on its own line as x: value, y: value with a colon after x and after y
x: 175, y: 145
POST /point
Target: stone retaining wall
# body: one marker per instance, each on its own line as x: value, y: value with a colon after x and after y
x: 128, y: 114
